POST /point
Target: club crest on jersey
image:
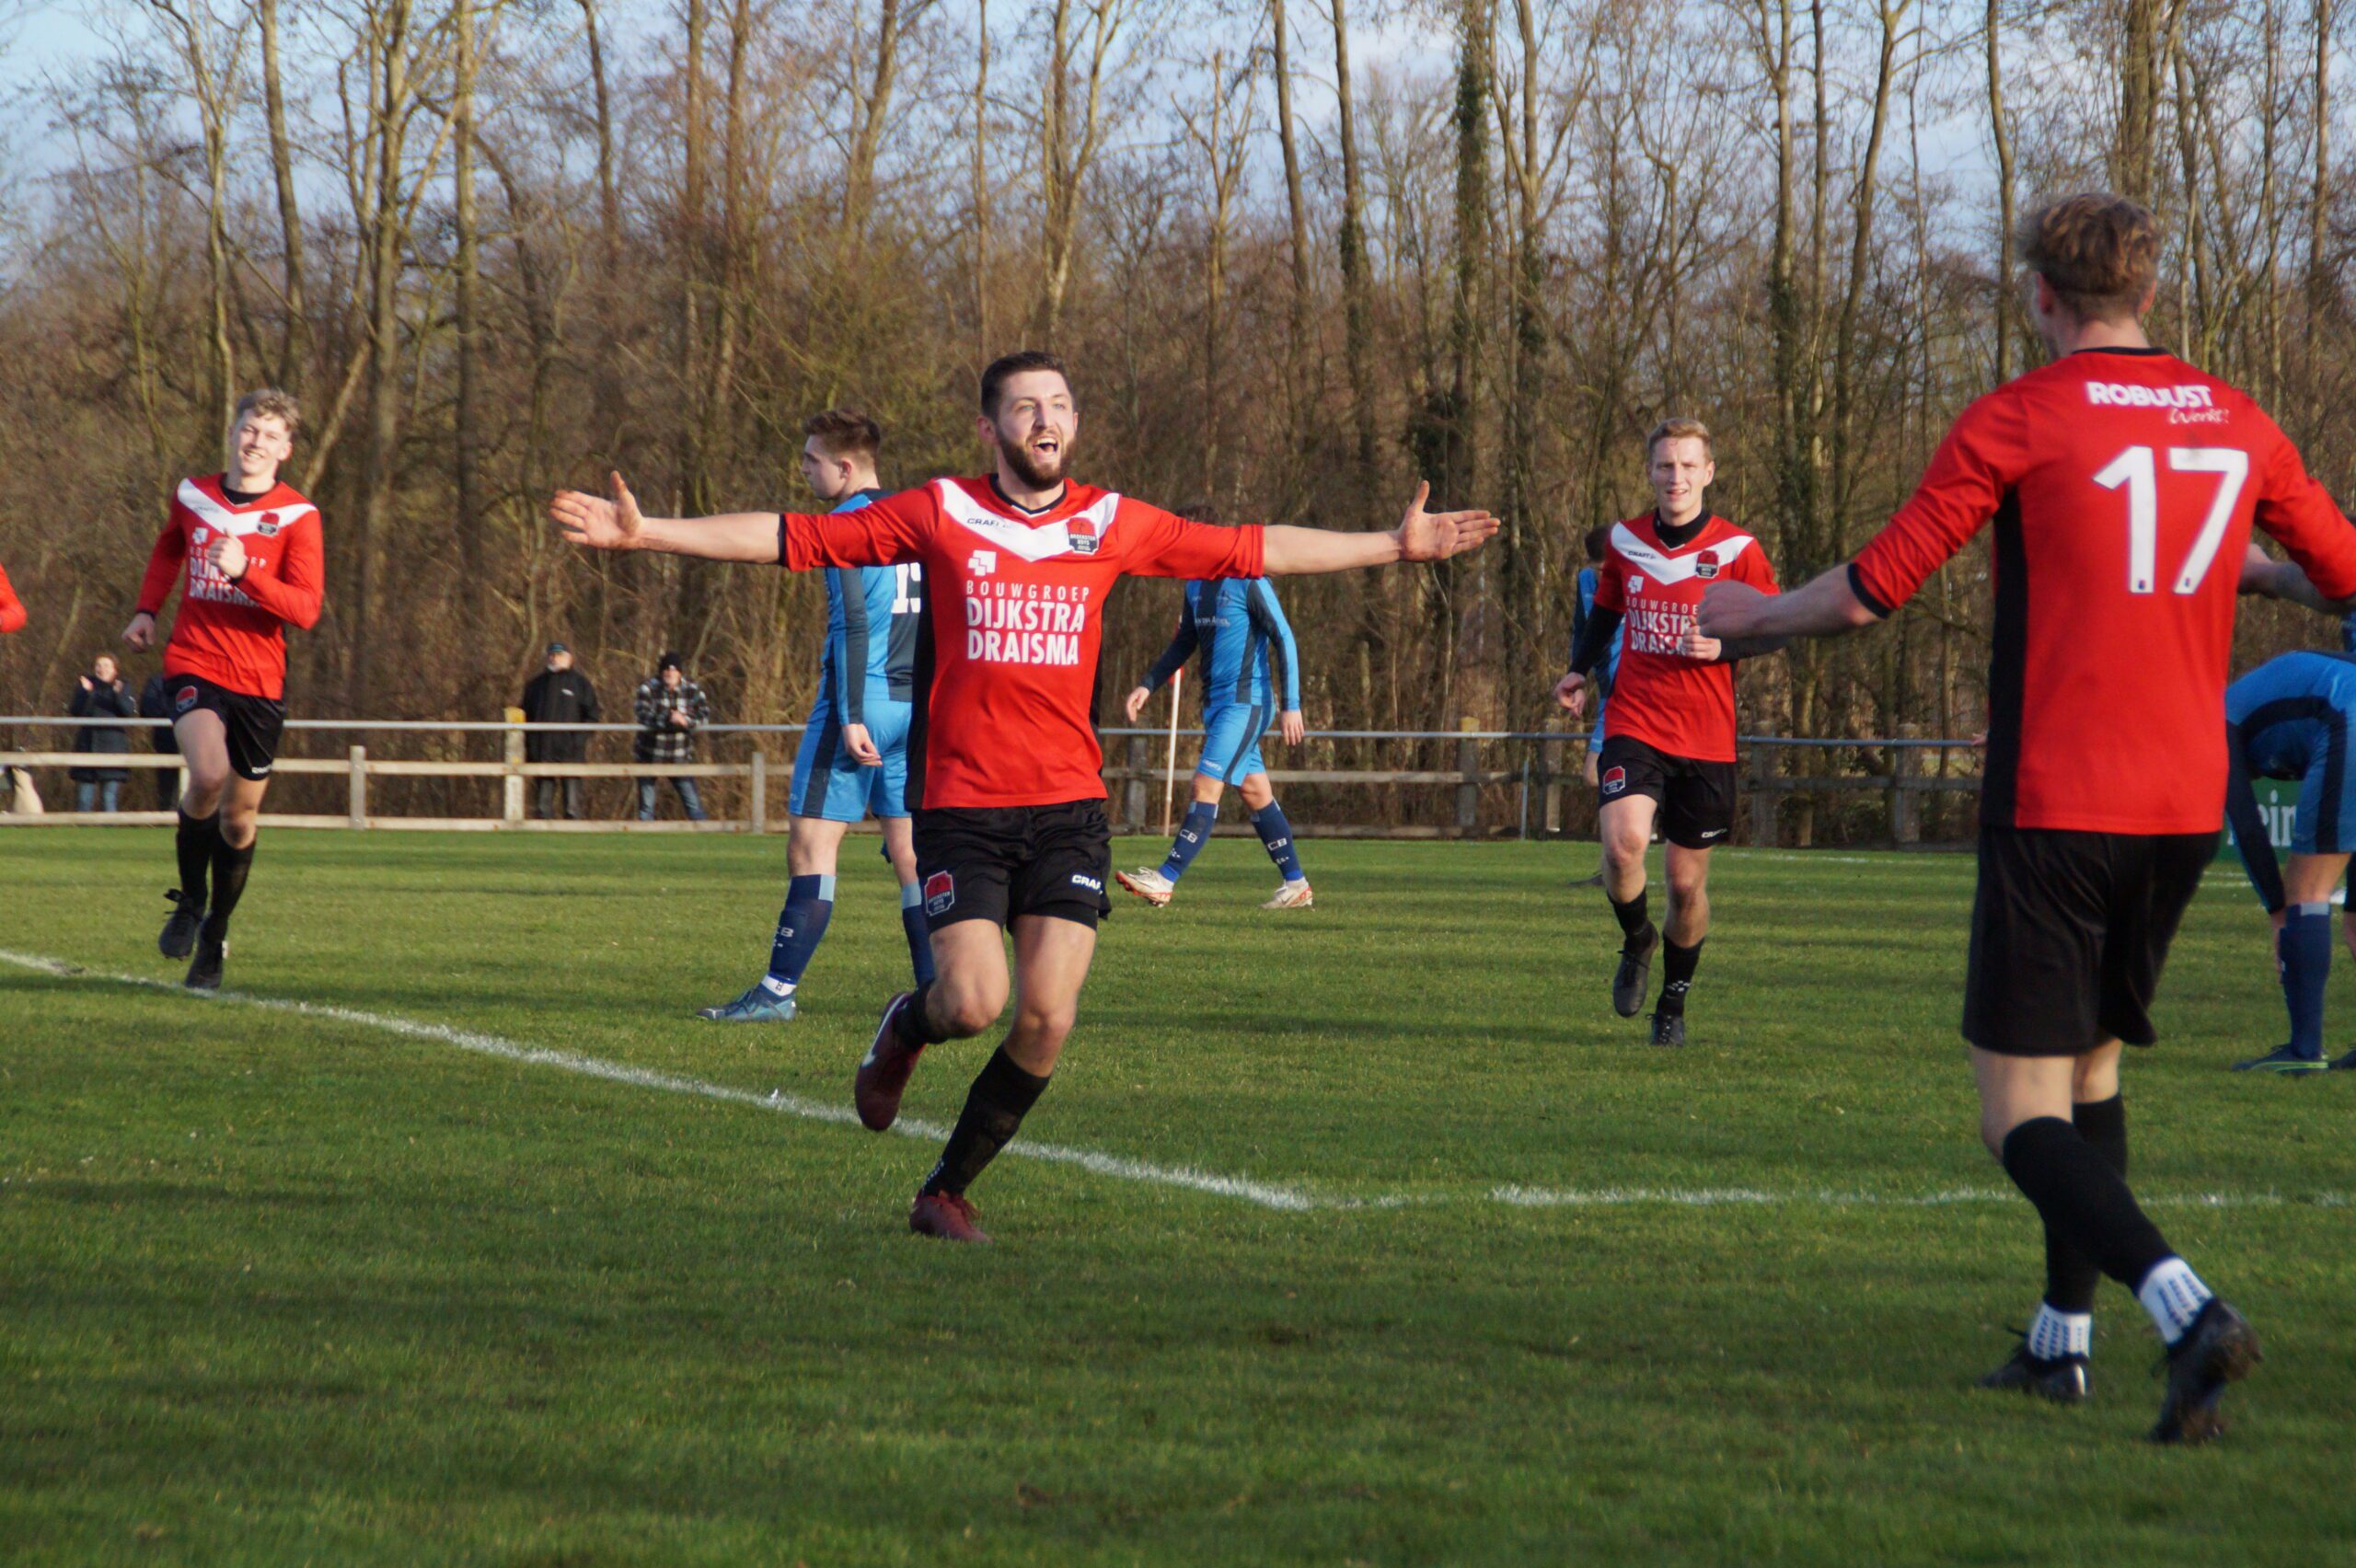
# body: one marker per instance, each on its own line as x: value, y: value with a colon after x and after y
x: 1082, y: 536
x: 981, y: 563
x: 1706, y: 565
x: 1636, y: 582
x: 1614, y: 780
x: 184, y: 699
x: 268, y: 525
x: 940, y: 892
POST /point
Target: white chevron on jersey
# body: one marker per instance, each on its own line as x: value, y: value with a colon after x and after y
x: 1032, y: 544
x: 217, y: 515
x: 1675, y: 568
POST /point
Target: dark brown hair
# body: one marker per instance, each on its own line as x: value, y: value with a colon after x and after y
x: 2100, y: 253
x: 842, y: 432
x: 1012, y: 364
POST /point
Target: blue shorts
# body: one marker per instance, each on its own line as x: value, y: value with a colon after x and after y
x: 1231, y: 742
x: 829, y: 783
x: 2325, y: 822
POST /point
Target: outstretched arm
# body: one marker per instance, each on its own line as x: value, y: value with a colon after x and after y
x: 599, y: 524
x: 2264, y: 577
x: 1421, y: 535
x: 1828, y: 605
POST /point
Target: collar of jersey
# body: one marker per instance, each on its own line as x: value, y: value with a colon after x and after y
x: 1664, y: 567
x: 210, y: 507
x: 1031, y: 539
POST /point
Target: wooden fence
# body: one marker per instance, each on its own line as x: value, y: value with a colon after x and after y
x: 1544, y: 794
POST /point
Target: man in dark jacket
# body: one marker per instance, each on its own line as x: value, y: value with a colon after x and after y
x: 101, y: 695
x: 154, y: 702
x: 670, y: 708
x: 558, y: 694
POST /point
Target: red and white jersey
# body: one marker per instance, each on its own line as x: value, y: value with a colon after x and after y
x: 1006, y: 661
x: 234, y: 633
x: 1683, y: 707
x: 2123, y: 484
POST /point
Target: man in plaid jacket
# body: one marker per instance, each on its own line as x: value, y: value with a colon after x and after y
x: 671, y: 707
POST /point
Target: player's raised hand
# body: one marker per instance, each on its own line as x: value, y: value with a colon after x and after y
x: 862, y: 746
x: 597, y: 522
x: 1570, y: 693
x: 1435, y: 535
x: 1728, y: 609
x: 1137, y: 701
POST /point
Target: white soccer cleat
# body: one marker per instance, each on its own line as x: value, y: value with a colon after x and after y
x: 1147, y: 884
x: 1291, y: 895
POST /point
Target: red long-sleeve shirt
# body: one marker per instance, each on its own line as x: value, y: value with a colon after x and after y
x: 1006, y: 657
x: 233, y: 633
x: 2123, y: 484
x: 12, y: 609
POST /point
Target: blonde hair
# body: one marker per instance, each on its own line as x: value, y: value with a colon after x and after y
x: 1679, y: 428
x: 2100, y: 252
x: 280, y: 406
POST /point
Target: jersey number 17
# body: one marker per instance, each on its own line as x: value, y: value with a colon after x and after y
x: 2136, y: 470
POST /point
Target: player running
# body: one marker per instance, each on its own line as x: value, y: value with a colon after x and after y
x: 1242, y: 632
x: 2122, y: 483
x: 1597, y: 540
x: 1669, y: 740
x: 1004, y: 769
x: 854, y: 753
x: 2289, y: 718
x: 244, y: 548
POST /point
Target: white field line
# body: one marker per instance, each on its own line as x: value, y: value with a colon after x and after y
x: 1264, y: 1195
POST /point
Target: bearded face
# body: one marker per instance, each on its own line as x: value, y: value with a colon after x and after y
x: 1034, y: 428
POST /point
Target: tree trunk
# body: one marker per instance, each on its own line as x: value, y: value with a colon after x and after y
x: 295, y: 346
x: 2007, y: 298
x: 1357, y: 326
x: 468, y: 414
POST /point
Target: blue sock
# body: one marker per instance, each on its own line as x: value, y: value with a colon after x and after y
x: 1192, y: 835
x: 809, y: 905
x: 2303, y: 952
x: 1276, y: 832
x: 920, y: 932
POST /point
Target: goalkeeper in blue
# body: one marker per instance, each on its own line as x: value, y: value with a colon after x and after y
x: 854, y: 753
x: 1248, y: 655
x: 2291, y: 718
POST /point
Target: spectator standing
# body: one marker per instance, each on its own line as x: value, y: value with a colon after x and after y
x: 101, y: 695
x: 558, y: 694
x: 155, y: 702
x: 670, y: 709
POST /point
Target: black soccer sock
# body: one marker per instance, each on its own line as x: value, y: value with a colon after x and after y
x: 2082, y: 1200
x: 229, y: 869
x: 910, y: 1025
x: 2071, y: 1276
x: 995, y: 1107
x: 1634, y: 917
x: 197, y: 839
x: 1677, y: 966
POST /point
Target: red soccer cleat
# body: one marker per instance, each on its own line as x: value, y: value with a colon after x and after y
x: 946, y: 1215
x: 884, y: 1072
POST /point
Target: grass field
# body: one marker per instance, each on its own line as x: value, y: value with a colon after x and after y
x: 1496, y: 1283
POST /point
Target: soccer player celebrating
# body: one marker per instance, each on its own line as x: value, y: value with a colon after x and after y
x: 854, y: 753
x: 1668, y: 737
x: 2118, y: 479
x: 244, y: 548
x: 1004, y: 770
x: 2289, y: 718
x: 1241, y: 629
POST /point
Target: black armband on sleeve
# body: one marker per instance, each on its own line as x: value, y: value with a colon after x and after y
x: 1864, y: 595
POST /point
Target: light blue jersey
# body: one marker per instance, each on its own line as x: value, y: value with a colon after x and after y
x: 2290, y: 718
x: 1610, y: 669
x: 874, y: 614
x: 1246, y: 643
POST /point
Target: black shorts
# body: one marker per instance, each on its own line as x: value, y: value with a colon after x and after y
x: 1696, y: 799
x: 996, y: 862
x: 253, y: 723
x: 2068, y: 934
